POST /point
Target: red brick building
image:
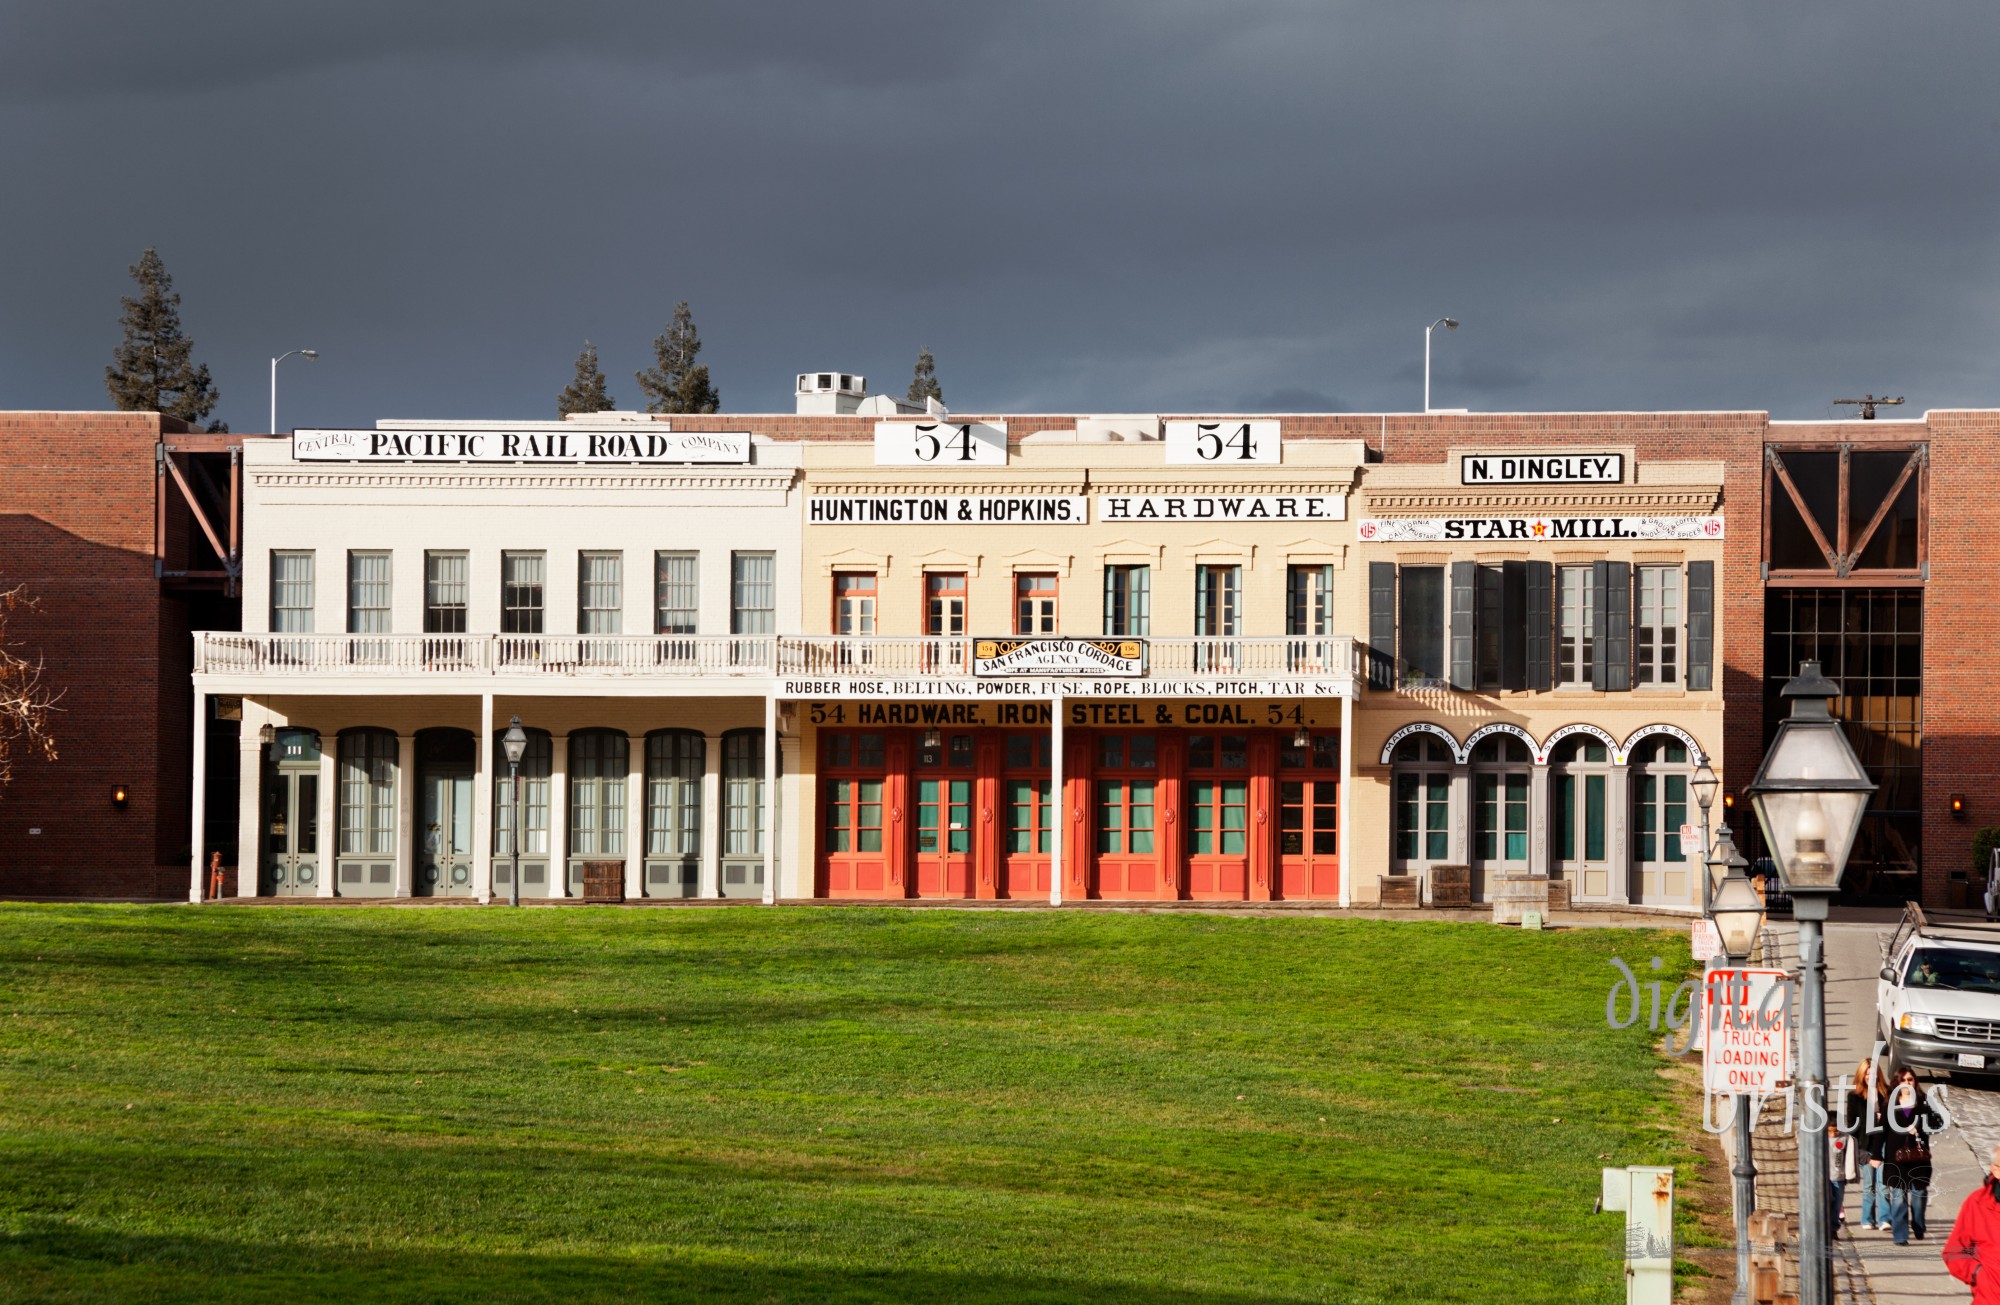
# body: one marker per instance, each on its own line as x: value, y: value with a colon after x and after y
x: 1872, y: 545
x: 90, y: 529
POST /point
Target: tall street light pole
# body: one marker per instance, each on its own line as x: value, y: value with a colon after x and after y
x: 1738, y: 913
x: 1704, y: 785
x: 1449, y: 324
x: 310, y: 355
x: 515, y: 741
x: 1810, y: 795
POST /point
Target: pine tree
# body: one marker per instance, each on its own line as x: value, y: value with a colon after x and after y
x: 152, y: 369
x: 679, y: 383
x: 586, y: 392
x: 924, y: 384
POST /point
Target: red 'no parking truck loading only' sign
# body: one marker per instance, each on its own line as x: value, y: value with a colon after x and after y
x: 1745, y: 1024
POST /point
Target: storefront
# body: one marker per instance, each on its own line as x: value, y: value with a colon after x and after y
x: 1543, y: 672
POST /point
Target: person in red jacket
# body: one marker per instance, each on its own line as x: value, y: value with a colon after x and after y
x: 1973, y: 1252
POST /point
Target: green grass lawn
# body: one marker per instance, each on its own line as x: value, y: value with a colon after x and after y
x: 811, y: 1104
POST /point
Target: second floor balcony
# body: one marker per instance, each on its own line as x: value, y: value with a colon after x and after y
x: 504, y: 657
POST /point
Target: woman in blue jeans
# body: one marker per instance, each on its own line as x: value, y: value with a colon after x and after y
x: 1864, y: 1121
x: 1905, y: 1152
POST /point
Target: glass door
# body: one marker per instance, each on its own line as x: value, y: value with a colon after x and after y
x: 291, y: 835
x: 1580, y: 788
x: 444, y: 832
x: 944, y: 816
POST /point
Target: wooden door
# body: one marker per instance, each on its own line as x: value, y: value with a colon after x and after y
x: 853, y: 848
x: 1029, y: 817
x: 1126, y: 818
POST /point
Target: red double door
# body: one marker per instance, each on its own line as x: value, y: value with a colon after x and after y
x: 1178, y: 814
x: 949, y: 813
x: 1154, y: 815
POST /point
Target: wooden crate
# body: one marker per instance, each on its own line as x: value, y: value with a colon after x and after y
x: 1451, y: 885
x: 603, y: 881
x: 1401, y: 890
x: 1558, y: 894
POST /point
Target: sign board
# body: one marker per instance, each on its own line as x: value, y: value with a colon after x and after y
x: 1222, y: 443
x: 1705, y: 940
x: 1431, y: 530
x: 1691, y: 844
x: 645, y: 444
x: 1745, y: 1022
x: 999, y: 687
x: 1058, y: 657
x: 948, y: 509
x: 940, y: 443
x: 1221, y: 507
x: 1199, y: 713
x: 1541, y: 469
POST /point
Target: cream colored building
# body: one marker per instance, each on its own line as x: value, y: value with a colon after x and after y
x: 1546, y: 672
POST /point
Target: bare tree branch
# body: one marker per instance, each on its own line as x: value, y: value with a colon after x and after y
x: 27, y: 705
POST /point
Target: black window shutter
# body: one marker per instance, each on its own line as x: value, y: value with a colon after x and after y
x: 1615, y: 645
x: 1513, y: 625
x: 1598, y: 609
x: 1464, y: 625
x: 1701, y: 625
x: 1381, y: 625
x: 1539, y: 587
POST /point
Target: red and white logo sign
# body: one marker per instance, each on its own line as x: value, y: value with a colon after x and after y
x: 1745, y: 1023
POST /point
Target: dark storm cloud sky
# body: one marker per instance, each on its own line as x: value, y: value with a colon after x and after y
x: 1144, y: 206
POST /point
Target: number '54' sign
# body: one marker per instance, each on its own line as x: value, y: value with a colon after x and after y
x: 940, y: 444
x: 1222, y: 442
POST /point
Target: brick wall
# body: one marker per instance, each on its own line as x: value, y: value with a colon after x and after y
x: 76, y: 529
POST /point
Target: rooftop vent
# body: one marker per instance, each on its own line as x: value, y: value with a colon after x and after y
x: 830, y: 394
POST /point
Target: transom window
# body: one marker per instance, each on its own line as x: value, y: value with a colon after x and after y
x: 1034, y: 603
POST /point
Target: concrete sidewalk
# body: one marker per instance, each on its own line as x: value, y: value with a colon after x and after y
x: 1898, y: 1275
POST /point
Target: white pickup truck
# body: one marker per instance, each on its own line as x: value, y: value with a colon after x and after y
x: 1937, y: 1001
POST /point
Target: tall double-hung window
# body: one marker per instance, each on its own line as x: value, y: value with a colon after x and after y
x: 291, y: 592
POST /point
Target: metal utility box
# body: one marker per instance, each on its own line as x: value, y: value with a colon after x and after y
x: 1645, y: 1194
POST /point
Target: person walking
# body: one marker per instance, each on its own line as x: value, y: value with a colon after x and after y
x: 1904, y: 1149
x: 1972, y: 1252
x: 1863, y: 1120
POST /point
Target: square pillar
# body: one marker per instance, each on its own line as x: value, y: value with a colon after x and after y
x: 710, y: 884
x: 482, y: 806
x: 635, y: 818
x: 197, y: 856
x: 792, y: 796
x: 558, y: 885
x: 1618, y: 821
x: 406, y: 812
x: 329, y: 810
x: 1538, y: 821
x: 769, y: 815
x: 1346, y: 805
x: 250, y: 814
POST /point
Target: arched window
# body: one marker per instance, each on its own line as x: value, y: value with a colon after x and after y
x: 534, y: 776
x: 367, y: 793
x: 1500, y: 774
x: 1660, y: 774
x: 743, y: 793
x: 674, y: 761
x: 598, y: 761
x: 1580, y: 777
x: 1422, y: 782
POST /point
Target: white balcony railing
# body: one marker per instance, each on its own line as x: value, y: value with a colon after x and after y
x: 677, y: 655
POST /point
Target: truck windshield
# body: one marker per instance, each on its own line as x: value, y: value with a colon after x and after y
x: 1963, y: 971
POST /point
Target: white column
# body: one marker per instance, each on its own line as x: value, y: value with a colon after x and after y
x: 249, y: 813
x: 1346, y: 797
x: 769, y: 814
x: 329, y: 797
x: 197, y: 861
x: 1538, y: 821
x: 635, y: 817
x: 482, y: 806
x: 406, y: 812
x: 1461, y: 816
x: 793, y: 796
x: 558, y: 885
x: 1619, y: 818
x: 710, y: 884
x: 1058, y: 809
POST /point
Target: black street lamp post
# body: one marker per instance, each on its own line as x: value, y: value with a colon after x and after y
x: 1738, y: 913
x: 515, y: 741
x: 1810, y: 795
